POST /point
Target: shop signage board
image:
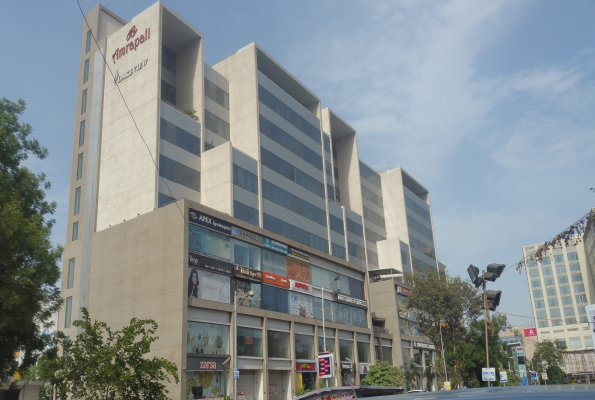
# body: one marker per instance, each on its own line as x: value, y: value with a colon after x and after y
x: 363, y: 368
x: 206, y: 220
x: 271, y: 244
x: 544, y: 376
x: 403, y: 290
x: 503, y: 377
x: 533, y: 376
x: 209, y: 264
x: 202, y: 363
x: 246, y: 236
x: 352, y: 301
x: 447, y: 385
x: 488, y: 374
x: 530, y: 332
x: 325, y: 365
x: 251, y: 275
x: 236, y: 375
x: 300, y: 287
x: 299, y: 254
x: 305, y: 367
x: 273, y: 279
x: 347, y: 366
x: 424, y: 346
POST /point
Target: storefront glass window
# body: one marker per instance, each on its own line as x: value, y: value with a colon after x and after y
x: 249, y: 342
x: 275, y: 299
x: 387, y: 354
x: 346, y: 350
x: 363, y: 352
x: 242, y: 288
x: 306, y: 380
x: 245, y: 254
x: 328, y: 309
x: 278, y: 344
x: 205, y: 241
x: 405, y: 349
x: 304, y: 347
x: 202, y: 338
x: 205, y: 384
x: 274, y: 263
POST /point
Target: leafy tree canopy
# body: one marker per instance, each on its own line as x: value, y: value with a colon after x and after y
x: 106, y: 364
x: 29, y: 267
x: 383, y: 374
x: 547, y: 354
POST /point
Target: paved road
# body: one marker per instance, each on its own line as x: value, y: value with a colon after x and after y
x: 549, y: 392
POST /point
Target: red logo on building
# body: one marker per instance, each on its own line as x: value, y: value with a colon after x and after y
x: 301, y: 285
x: 131, y: 33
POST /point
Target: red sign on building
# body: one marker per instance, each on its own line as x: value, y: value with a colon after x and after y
x: 530, y: 332
x: 305, y: 367
x: 273, y: 279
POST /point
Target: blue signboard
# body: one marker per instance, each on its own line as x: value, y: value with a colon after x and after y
x: 275, y: 246
x: 208, y: 221
x: 524, y: 381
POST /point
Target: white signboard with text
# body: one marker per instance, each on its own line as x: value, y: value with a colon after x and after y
x: 488, y: 374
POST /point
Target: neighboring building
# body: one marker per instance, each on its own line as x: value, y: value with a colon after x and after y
x: 589, y: 243
x: 560, y: 288
x: 516, y: 334
x: 257, y: 188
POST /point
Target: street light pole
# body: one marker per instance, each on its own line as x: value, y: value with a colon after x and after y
x: 323, y: 328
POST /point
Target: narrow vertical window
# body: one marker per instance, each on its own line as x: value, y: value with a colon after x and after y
x: 86, y: 72
x: 77, y: 200
x: 70, y: 273
x: 84, y: 102
x: 82, y: 133
x: 79, y: 167
x: 88, y: 48
x: 68, y: 312
x: 75, y: 231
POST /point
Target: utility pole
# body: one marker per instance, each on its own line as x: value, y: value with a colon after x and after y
x: 486, y: 314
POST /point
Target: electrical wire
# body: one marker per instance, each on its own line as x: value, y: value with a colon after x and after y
x: 140, y: 135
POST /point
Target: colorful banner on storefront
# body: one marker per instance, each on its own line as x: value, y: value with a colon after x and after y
x: 305, y: 367
x: 300, y: 287
x: 208, y: 285
x: 246, y: 273
x: 298, y: 270
x: 276, y: 280
x: 300, y: 305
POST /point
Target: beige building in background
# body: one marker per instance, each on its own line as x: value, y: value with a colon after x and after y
x: 191, y: 183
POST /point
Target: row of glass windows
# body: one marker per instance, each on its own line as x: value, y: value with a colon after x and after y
x: 327, y: 143
x: 84, y: 102
x: 354, y: 227
x: 79, y: 167
x: 422, y: 265
x: 416, y: 208
x: 77, y: 200
x: 249, y: 343
x: 564, y: 290
x: 245, y: 213
x: 356, y: 251
x: 290, y: 143
x: 336, y: 224
x: 290, y: 172
x: 168, y: 59
x: 371, y: 196
x: 168, y: 93
x: 294, y: 233
x: 369, y: 174
x: 373, y: 237
x: 338, y: 251
x: 330, y: 192
x: 373, y: 217
x: 293, y: 203
x: 86, y: 71
x: 216, y: 125
x: 216, y: 94
x: 562, y: 279
x: 420, y: 228
x: 179, y: 137
x: 245, y: 179
x: 163, y: 199
x: 179, y: 173
x: 328, y: 169
x: 283, y: 110
x: 88, y: 42
x: 70, y: 281
x: 422, y: 247
x: 82, y: 133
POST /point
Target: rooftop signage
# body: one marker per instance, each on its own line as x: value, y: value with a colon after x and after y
x: 275, y: 246
x: 132, y: 44
x: 246, y: 236
x: 208, y: 221
x: 352, y: 301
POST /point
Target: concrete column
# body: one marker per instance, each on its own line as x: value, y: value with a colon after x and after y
x: 265, y: 358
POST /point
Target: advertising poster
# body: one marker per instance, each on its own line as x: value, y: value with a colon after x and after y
x: 298, y: 270
x: 300, y: 305
x: 205, y: 384
x: 203, y: 338
x: 208, y: 285
x: 204, y: 241
x: 342, y: 314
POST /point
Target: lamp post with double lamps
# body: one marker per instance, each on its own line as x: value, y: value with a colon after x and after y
x: 236, y: 302
x: 323, y: 329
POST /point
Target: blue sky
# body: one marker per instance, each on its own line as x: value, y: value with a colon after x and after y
x: 489, y: 104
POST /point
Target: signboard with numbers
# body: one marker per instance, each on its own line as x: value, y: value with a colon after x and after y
x: 325, y: 365
x: 488, y: 374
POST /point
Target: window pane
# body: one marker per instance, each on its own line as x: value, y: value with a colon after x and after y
x: 75, y: 231
x: 338, y: 251
x: 179, y: 173
x: 68, y: 312
x: 552, y: 302
x: 564, y: 289
x: 245, y: 179
x: 536, y: 283
x: 551, y: 291
x: 542, y: 324
x: 547, y: 271
x: 540, y: 304
x: 369, y: 174
x: 419, y: 228
x: 575, y: 267
x: 293, y: 232
x: 534, y: 273
x: 70, y: 274
x: 245, y: 213
x: 275, y: 299
x: 330, y: 344
x: 249, y: 342
x: 572, y: 256
x: 387, y: 354
x: 363, y: 352
x: 216, y: 94
x: 575, y: 343
x: 549, y: 281
x: 336, y: 224
x: 588, y: 341
x: 304, y: 347
x: 563, y: 279
x: 84, y: 102
x: 346, y: 350
x: 577, y: 277
x: 88, y: 44
x: 86, y: 71
x: 555, y: 313
x: 82, y: 133
x: 375, y: 218
x: 568, y: 311
x: 168, y: 93
x: 538, y: 293
x: 216, y: 125
x: 168, y: 59
x: 566, y: 300
x: 581, y: 299
x: 560, y: 269
x: 354, y: 227
x: 179, y: 137
x: 559, y: 258
x: 79, y: 167
x: 245, y: 254
x: 278, y: 344
x: 206, y: 241
x: 429, y: 251
x: 356, y: 251
x: 203, y: 338
x: 418, y: 209
x: 579, y: 287
x: 77, y: 200
x: 373, y: 197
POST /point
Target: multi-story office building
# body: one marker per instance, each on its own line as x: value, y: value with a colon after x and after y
x: 560, y: 289
x: 191, y: 183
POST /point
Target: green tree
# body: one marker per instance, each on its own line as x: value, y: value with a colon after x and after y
x: 513, y: 380
x: 547, y: 354
x: 410, y: 373
x: 383, y: 374
x: 106, y: 364
x: 29, y: 267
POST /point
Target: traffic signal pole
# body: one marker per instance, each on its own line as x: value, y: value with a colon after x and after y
x: 485, y: 320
